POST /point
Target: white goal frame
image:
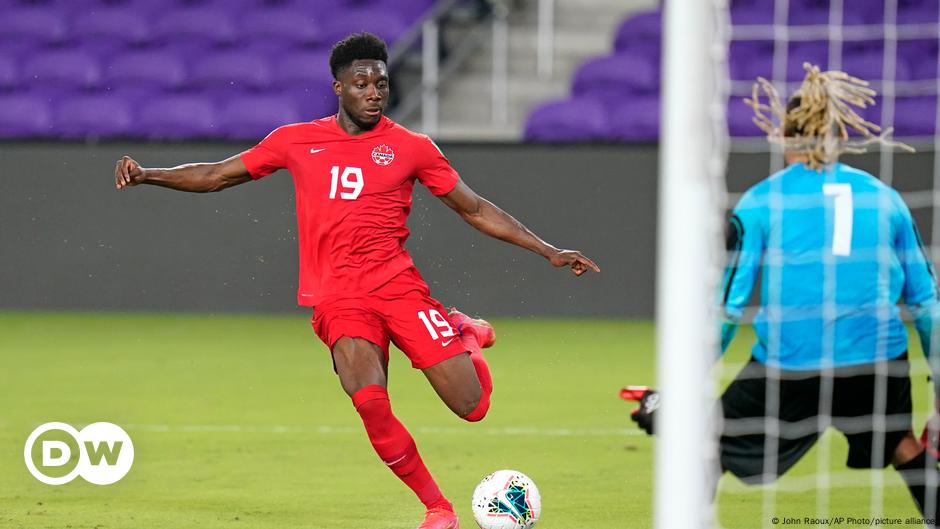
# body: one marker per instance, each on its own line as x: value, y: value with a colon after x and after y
x: 692, y: 160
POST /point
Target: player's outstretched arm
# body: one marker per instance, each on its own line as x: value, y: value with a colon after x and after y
x: 489, y: 219
x: 193, y: 177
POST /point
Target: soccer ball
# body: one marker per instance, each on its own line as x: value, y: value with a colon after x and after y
x: 506, y: 499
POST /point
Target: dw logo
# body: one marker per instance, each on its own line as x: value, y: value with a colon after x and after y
x: 56, y: 453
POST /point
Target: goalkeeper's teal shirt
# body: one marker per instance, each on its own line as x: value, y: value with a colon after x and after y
x: 836, y: 250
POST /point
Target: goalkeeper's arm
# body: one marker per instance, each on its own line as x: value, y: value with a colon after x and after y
x: 927, y: 323
x: 744, y: 244
x: 920, y: 285
x: 920, y: 293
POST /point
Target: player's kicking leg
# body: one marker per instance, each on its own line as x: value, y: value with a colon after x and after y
x: 362, y: 367
x: 451, y: 360
x: 463, y: 381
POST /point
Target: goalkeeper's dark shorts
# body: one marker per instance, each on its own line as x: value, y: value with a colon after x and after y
x: 873, y: 430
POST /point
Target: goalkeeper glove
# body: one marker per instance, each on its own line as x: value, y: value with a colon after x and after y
x: 930, y: 437
x: 644, y: 416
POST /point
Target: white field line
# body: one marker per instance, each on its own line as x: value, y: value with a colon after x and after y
x: 423, y: 430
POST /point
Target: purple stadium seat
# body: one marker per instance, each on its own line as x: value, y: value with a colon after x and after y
x: 70, y: 8
x: 612, y: 76
x: 28, y: 28
x: 66, y: 70
x: 107, y: 29
x: 313, y: 102
x: 873, y: 112
x: 750, y: 4
x: 567, y: 120
x: 193, y: 30
x: 9, y: 75
x: 177, y: 117
x: 807, y: 15
x: 761, y: 63
x: 751, y: 15
x: 871, y: 11
x: 868, y: 63
x: 863, y: 46
x: 917, y: 11
x: 252, y: 118
x: 230, y: 6
x: 305, y: 78
x: 740, y: 119
x: 920, y: 57
x: 267, y: 27
x: 146, y: 69
x: 93, y: 116
x: 23, y: 116
x: 644, y: 27
x: 152, y: 9
x: 233, y: 71
x: 750, y: 59
x: 635, y: 119
x: 915, y: 116
x: 304, y: 68
x: 813, y: 52
x: 387, y: 25
x: 317, y: 6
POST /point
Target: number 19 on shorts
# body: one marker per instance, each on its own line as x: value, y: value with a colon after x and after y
x: 436, y: 324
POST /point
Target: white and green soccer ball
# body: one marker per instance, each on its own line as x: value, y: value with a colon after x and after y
x: 506, y: 499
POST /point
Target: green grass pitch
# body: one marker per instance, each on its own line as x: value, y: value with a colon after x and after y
x: 239, y: 422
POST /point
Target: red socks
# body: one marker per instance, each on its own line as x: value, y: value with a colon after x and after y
x: 469, y: 340
x: 395, y: 446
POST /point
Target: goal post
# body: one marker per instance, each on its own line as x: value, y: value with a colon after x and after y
x: 692, y: 165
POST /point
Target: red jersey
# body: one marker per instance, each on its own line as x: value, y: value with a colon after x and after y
x: 353, y: 197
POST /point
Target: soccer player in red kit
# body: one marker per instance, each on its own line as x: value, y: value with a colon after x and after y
x: 354, y: 173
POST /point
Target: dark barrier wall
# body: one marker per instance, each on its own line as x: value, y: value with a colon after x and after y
x: 69, y: 240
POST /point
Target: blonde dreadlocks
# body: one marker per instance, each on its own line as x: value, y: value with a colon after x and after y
x: 819, y: 116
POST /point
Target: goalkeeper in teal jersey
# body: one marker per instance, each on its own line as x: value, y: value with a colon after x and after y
x: 836, y: 250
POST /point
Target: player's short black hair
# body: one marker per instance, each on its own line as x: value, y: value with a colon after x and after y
x: 363, y: 45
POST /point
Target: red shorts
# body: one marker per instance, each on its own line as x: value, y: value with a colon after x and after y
x: 401, y: 311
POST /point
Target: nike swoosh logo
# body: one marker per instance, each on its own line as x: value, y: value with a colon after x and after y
x: 445, y: 344
x: 314, y: 151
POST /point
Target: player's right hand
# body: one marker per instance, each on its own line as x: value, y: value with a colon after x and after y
x: 128, y: 173
x: 576, y: 260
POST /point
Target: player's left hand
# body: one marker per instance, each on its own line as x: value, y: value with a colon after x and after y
x: 645, y: 415
x: 579, y: 263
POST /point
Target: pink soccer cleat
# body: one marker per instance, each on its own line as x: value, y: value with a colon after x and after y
x: 484, y: 332
x: 440, y: 518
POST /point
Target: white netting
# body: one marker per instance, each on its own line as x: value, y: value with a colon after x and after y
x: 922, y: 195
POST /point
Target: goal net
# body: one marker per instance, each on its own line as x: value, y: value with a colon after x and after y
x: 711, y: 153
